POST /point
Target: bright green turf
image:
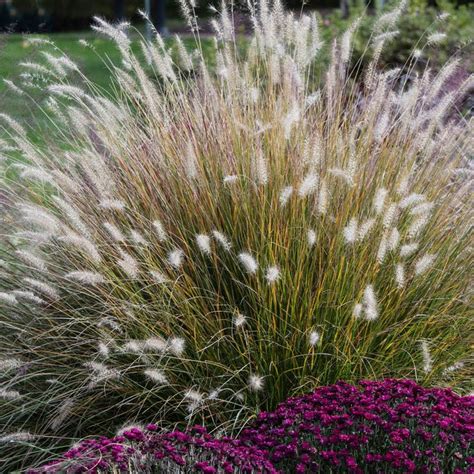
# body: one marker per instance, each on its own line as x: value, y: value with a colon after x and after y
x: 14, y: 49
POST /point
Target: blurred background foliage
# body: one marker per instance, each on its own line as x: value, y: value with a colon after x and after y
x: 66, y: 15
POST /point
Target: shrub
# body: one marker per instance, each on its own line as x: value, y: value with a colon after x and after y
x: 419, y: 23
x: 389, y: 426
x: 142, y: 450
x: 204, y: 243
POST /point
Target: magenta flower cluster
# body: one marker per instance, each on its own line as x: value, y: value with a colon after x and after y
x: 146, y: 450
x: 388, y: 426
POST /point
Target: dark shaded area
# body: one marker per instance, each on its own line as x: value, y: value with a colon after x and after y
x: 68, y: 15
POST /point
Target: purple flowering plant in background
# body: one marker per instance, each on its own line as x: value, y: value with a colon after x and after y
x: 387, y: 426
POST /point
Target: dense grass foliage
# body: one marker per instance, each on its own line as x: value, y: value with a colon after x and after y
x: 389, y: 426
x: 200, y: 244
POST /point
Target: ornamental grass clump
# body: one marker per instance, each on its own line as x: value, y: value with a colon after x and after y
x: 205, y: 241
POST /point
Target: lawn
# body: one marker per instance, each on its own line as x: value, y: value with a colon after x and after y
x: 93, y: 61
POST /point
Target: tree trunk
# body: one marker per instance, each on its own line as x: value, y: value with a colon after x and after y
x: 344, y: 5
x: 119, y: 12
x: 159, y: 16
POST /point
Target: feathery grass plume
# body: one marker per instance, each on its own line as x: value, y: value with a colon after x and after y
x: 17, y: 437
x: 222, y: 239
x: 256, y: 383
x: 9, y: 394
x: 157, y: 376
x: 280, y: 116
x: 10, y: 364
x: 424, y: 263
x: 128, y: 264
x: 248, y: 262
x: 323, y: 197
x: 177, y: 346
x: 314, y: 338
x: 435, y: 38
x: 82, y: 243
x: 159, y: 277
x: 427, y: 358
x: 308, y: 185
x: 8, y: 298
x: 350, y: 231
x: 160, y: 231
x: 114, y: 232
x: 365, y: 228
x: 239, y: 319
x: 175, y: 258
x: 33, y: 261
x: 413, y: 198
x: 285, y: 195
x: 28, y: 296
x: 203, y: 241
x: 155, y: 344
x: 408, y: 249
x: 44, y: 288
x: 400, y: 275
x: 232, y: 178
x: 86, y: 277
x: 369, y: 303
x: 138, y: 238
x: 272, y: 274
x: 311, y: 237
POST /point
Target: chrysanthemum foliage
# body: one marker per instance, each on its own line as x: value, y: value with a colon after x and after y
x: 208, y: 240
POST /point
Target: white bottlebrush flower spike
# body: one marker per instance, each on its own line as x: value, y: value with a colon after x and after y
x: 308, y: 185
x: 424, y: 263
x: 314, y: 337
x: 86, y: 277
x: 400, y: 275
x: 239, y: 320
x: 175, y: 258
x: 10, y: 364
x: 365, y: 228
x: 285, y: 195
x: 157, y: 376
x: 272, y: 274
x: 427, y: 359
x: 9, y: 395
x: 369, y: 303
x: 157, y: 344
x: 256, y: 383
x: 390, y: 215
x: 176, y: 345
x: 222, y: 239
x: 128, y: 264
x: 114, y: 232
x: 410, y: 200
x: 203, y: 241
x: 311, y: 237
x: 357, y: 311
x: 231, y: 178
x: 408, y: 249
x: 160, y: 231
x: 158, y: 277
x: 8, y: 298
x: 248, y: 262
x: 350, y: 231
x: 138, y: 238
